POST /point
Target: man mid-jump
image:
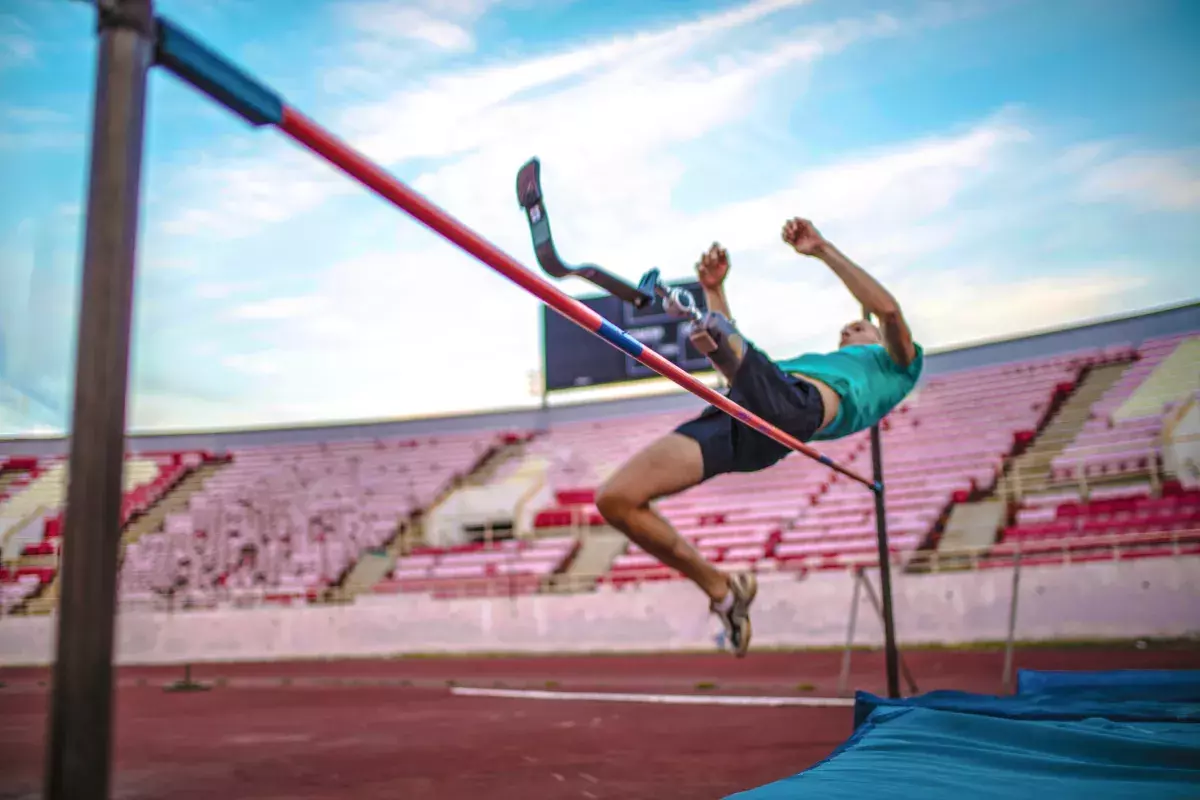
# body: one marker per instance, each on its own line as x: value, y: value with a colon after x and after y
x: 814, y: 396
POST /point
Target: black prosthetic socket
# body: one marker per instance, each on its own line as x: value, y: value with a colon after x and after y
x: 730, y: 346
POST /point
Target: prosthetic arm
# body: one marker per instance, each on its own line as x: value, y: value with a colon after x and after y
x: 712, y: 333
x: 716, y: 337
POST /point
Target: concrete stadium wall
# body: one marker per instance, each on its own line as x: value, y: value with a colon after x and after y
x: 1128, y: 599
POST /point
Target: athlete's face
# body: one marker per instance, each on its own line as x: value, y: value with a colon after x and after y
x: 860, y: 332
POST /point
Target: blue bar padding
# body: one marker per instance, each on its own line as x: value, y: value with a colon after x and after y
x: 620, y: 338
x: 877, y: 488
x: 204, y: 68
x: 1178, y: 685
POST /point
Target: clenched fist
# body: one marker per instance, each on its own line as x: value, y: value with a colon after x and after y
x: 712, y: 267
x: 803, y: 237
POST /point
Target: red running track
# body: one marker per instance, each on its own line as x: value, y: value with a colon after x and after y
x: 255, y: 738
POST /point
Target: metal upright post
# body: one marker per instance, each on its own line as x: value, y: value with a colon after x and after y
x: 1011, y: 637
x: 844, y: 676
x: 78, y: 755
x: 885, y: 569
x: 885, y: 562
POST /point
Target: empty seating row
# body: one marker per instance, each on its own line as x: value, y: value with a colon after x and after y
x: 284, y: 523
x: 1129, y: 517
x: 511, y: 566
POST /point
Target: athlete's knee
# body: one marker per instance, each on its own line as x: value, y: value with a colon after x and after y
x: 665, y: 467
x: 616, y: 501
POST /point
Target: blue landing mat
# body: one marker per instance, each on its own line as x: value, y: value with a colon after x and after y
x: 1090, y: 736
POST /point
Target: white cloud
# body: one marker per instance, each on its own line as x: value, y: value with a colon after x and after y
x: 239, y: 196
x: 149, y: 411
x: 1160, y: 181
x: 604, y: 115
x: 970, y: 304
x: 582, y: 96
x: 444, y: 24
x: 278, y: 308
x: 416, y: 23
x: 262, y: 363
x: 386, y: 324
x: 219, y: 290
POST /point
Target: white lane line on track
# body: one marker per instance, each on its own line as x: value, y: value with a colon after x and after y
x: 664, y: 699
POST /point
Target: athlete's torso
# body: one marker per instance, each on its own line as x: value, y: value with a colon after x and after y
x: 859, y: 384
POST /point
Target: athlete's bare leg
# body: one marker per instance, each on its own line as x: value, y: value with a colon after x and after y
x: 668, y: 466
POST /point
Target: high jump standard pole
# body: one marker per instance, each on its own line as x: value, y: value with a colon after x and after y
x: 891, y: 654
x: 79, y: 734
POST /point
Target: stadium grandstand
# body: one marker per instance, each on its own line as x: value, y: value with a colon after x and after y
x: 1066, y: 447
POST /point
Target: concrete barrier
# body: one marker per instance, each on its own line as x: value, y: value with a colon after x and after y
x: 1101, y: 600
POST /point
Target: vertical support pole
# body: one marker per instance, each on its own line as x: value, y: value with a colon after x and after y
x: 78, y: 754
x: 844, y: 677
x: 1010, y: 639
x: 1156, y: 479
x: 885, y: 561
x: 543, y: 417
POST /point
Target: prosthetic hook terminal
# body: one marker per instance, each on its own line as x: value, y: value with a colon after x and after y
x: 677, y: 301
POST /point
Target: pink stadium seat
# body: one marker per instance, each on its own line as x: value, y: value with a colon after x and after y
x: 288, y: 521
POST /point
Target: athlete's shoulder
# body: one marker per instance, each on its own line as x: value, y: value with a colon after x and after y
x: 883, y: 359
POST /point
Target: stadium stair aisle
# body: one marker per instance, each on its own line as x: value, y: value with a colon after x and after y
x: 1174, y: 379
x: 971, y: 530
x: 494, y: 496
x: 173, y: 501
x: 29, y: 501
x: 371, y: 568
x: 598, y: 548
x: 1030, y: 471
x: 1111, y: 446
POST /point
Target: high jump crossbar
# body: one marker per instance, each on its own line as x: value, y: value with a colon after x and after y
x: 132, y: 39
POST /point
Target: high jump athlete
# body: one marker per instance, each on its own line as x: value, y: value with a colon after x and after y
x: 814, y: 396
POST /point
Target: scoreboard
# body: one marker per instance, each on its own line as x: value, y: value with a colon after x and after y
x: 574, y: 357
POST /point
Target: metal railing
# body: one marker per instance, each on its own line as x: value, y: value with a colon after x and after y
x: 1065, y: 551
x: 1016, y: 483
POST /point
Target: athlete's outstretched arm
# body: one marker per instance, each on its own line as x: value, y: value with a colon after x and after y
x: 804, y: 238
x: 711, y: 270
x: 718, y: 340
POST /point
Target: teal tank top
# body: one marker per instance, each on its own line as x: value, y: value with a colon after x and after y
x: 866, y: 378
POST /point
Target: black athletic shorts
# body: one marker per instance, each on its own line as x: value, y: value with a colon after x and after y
x: 789, y: 403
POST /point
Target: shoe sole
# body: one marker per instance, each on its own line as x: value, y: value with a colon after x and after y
x: 748, y: 630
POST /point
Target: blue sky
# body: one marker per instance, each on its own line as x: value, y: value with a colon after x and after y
x: 1002, y: 165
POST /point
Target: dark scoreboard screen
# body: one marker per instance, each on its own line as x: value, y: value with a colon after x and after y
x: 574, y: 357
